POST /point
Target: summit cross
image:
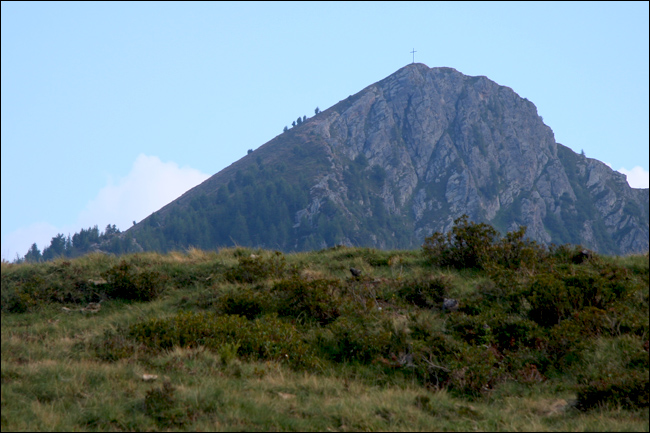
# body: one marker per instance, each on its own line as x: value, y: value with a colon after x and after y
x: 413, y: 52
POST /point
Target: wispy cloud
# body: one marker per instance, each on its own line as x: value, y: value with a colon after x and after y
x: 637, y: 177
x: 150, y: 185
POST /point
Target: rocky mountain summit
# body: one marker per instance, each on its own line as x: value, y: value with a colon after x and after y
x: 399, y: 160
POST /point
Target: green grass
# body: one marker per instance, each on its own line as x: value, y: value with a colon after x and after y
x: 375, y: 354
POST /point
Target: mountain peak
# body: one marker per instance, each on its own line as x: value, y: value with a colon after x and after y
x: 400, y: 159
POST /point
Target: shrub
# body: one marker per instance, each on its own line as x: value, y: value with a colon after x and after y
x: 15, y: 301
x: 317, y: 299
x: 570, y: 288
x: 22, y: 291
x: 433, y: 355
x: 564, y: 253
x: 585, y: 287
x: 27, y: 286
x: 254, y: 268
x: 513, y: 332
x: 468, y: 245
x: 615, y: 373
x: 629, y: 389
x: 228, y: 352
x: 568, y: 342
x: 473, y: 330
x: 266, y: 338
x: 503, y: 292
x: 246, y: 302
x: 548, y: 299
x: 274, y: 339
x: 354, y: 339
x: 515, y: 252
x: 160, y: 404
x: 125, y: 281
x: 444, y: 347
x: 425, y: 293
x: 475, y: 372
x: 374, y: 257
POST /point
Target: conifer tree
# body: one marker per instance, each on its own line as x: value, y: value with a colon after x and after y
x: 33, y: 255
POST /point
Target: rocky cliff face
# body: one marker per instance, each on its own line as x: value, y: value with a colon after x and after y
x: 452, y: 144
x: 409, y: 154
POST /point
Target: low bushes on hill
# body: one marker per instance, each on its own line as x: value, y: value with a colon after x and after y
x: 525, y: 314
x: 264, y: 338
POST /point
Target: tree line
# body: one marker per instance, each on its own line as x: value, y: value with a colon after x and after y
x: 78, y: 244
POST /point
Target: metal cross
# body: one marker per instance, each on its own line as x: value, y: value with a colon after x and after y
x: 413, y: 52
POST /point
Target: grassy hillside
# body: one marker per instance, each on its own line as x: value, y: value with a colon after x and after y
x: 470, y: 332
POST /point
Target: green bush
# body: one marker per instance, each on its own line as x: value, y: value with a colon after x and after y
x: 479, y: 246
x: 473, y: 330
x: 265, y: 338
x: 467, y: 246
x: 246, y: 302
x: 568, y: 342
x: 629, y: 389
x: 548, y: 300
x: 475, y: 372
x: 354, y: 339
x: 587, y: 286
x: 564, y: 253
x: 569, y: 288
x: 425, y: 293
x: 228, y: 352
x: 317, y: 300
x: 375, y: 257
x: 615, y: 373
x: 22, y: 291
x: 515, y: 252
x: 502, y: 292
x: 253, y: 268
x: 433, y: 355
x: 126, y: 281
x: 27, y: 286
x: 511, y: 333
x: 183, y: 329
x: 15, y: 301
x: 443, y: 347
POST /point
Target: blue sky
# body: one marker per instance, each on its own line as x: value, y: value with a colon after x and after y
x: 111, y: 110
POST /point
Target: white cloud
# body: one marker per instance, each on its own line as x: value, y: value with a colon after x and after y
x: 150, y: 185
x: 637, y: 177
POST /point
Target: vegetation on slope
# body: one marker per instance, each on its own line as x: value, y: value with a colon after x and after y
x: 474, y: 330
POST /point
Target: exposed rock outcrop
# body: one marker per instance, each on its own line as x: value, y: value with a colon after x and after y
x: 452, y: 144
